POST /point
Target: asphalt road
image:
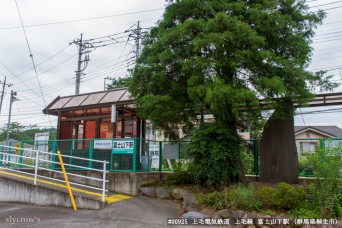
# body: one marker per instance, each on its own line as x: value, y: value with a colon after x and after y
x: 136, y: 212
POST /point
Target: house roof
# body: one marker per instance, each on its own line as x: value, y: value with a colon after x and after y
x: 332, y: 131
x: 98, y: 99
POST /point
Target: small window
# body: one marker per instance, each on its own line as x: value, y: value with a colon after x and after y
x: 106, y: 110
x: 93, y: 112
x: 66, y: 115
x: 78, y: 113
x: 307, y: 147
x: 106, y: 128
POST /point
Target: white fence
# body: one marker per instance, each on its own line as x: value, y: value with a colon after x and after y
x: 41, y: 160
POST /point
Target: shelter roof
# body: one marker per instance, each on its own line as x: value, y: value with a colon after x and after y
x: 89, y: 100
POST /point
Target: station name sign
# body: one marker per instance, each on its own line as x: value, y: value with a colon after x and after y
x: 103, y: 144
x: 123, y: 147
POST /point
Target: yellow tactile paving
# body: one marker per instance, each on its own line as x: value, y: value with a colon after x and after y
x: 115, y: 198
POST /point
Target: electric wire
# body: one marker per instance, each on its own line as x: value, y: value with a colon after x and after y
x: 85, y: 19
x: 337, y: 7
x: 330, y: 3
x: 34, y: 66
x: 326, y: 38
x: 106, y: 36
x: 119, y: 72
x: 64, y: 61
x: 120, y: 54
x: 19, y: 79
x: 45, y: 60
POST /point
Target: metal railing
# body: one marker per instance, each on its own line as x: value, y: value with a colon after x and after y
x: 6, y: 160
x: 143, y: 155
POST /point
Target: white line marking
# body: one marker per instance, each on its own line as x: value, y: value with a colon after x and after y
x: 10, y: 209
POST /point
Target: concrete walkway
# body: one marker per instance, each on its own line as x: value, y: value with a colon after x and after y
x: 136, y: 212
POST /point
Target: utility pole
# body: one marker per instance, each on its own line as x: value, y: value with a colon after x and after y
x: 107, y: 78
x: 3, y: 92
x: 82, y: 49
x: 12, y: 98
x: 137, y: 40
x: 137, y: 34
x: 78, y: 72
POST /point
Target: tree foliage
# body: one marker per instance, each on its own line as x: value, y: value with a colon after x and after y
x: 22, y: 133
x: 221, y: 57
x: 119, y: 82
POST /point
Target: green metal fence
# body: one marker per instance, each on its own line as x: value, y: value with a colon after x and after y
x: 142, y: 155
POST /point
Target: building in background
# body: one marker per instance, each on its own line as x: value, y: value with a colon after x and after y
x: 307, y: 137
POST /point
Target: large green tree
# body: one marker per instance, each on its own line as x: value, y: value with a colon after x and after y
x: 282, y: 79
x: 221, y: 57
x: 192, y: 62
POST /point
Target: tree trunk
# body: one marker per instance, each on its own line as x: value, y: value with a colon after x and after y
x: 278, y: 152
x: 240, y: 175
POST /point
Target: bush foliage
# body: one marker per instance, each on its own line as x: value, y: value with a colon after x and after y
x: 236, y: 197
x: 216, y: 153
x: 243, y: 197
x: 216, y: 200
x: 326, y: 191
x: 283, y: 196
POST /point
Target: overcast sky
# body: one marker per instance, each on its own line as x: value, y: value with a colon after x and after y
x: 51, y: 25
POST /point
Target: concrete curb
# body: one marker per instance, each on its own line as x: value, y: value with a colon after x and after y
x: 21, y: 192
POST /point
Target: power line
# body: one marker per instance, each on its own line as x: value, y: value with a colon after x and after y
x: 45, y: 60
x: 108, y: 36
x: 110, y: 62
x: 326, y: 38
x: 123, y: 25
x: 18, y: 78
x: 123, y: 67
x: 331, y: 3
x: 110, y: 68
x: 52, y: 67
x: 85, y: 19
x: 326, y: 111
x: 324, y: 41
x: 120, y: 56
x: 330, y: 33
x: 337, y: 7
x: 28, y: 45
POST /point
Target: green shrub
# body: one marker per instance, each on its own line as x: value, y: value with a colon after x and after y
x: 216, y: 200
x: 304, y: 213
x: 248, y: 162
x: 305, y: 167
x: 269, y: 197
x: 283, y: 196
x: 338, y: 210
x: 289, y: 196
x: 243, y: 197
x: 237, y: 197
x: 180, y: 175
x: 327, y: 189
x: 216, y: 153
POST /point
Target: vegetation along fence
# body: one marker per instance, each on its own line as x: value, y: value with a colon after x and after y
x: 141, y: 155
